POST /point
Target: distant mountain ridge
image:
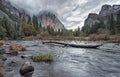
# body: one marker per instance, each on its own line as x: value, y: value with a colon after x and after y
x: 46, y: 18
x: 12, y: 12
x: 16, y: 23
x: 14, y: 15
x: 106, y: 11
x: 107, y: 19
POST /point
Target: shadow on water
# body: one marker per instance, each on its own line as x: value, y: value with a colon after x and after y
x: 68, y: 62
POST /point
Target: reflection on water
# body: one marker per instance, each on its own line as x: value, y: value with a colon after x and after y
x: 69, y: 62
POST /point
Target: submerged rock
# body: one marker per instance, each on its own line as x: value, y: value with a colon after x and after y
x: 15, y: 53
x: 27, y: 69
x: 2, y: 71
x: 16, y: 47
x: 2, y: 58
x: 26, y: 56
x: 1, y: 42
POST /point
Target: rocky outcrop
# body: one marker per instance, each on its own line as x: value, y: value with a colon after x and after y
x: 103, y: 16
x: 15, y: 14
x: 46, y: 18
x: 106, y: 10
x: 106, y: 22
x: 92, y: 19
x: 12, y: 13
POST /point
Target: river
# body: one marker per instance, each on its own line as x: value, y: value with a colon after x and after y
x: 68, y: 61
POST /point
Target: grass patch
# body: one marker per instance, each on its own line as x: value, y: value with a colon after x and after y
x: 42, y: 57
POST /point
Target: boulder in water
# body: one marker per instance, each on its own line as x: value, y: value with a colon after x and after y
x: 2, y: 70
x: 2, y: 58
x: 16, y: 47
x: 15, y: 53
x: 27, y: 69
x: 1, y: 42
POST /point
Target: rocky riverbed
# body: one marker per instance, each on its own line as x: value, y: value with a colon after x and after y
x: 68, y: 61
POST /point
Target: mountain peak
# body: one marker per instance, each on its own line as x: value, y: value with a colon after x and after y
x: 108, y: 17
x: 92, y: 15
x: 106, y: 9
x: 48, y: 18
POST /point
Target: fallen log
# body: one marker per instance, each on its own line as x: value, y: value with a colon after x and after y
x: 73, y: 45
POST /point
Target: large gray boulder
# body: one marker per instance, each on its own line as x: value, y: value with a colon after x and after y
x: 26, y: 69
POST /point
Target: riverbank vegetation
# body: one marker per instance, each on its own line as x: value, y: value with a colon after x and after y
x: 42, y: 57
x: 29, y: 30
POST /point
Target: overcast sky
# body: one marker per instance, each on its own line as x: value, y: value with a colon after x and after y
x: 72, y: 13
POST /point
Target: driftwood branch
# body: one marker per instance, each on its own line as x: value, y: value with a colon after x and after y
x: 73, y: 45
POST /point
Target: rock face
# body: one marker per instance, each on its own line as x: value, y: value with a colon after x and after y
x: 92, y: 19
x: 106, y: 10
x: 46, y: 18
x: 106, y: 22
x: 103, y: 15
x: 12, y: 13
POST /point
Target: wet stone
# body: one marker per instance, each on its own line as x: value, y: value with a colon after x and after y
x: 26, y: 69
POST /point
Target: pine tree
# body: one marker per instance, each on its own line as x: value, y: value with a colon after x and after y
x: 35, y: 23
x: 77, y: 32
x: 117, y: 26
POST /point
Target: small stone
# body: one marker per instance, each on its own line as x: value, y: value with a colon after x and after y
x: 12, y: 53
x: 26, y: 56
x: 3, y: 58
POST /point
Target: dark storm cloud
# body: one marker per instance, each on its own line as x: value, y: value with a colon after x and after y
x: 71, y: 12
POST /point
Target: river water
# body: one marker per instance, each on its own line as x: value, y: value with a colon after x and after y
x: 68, y: 61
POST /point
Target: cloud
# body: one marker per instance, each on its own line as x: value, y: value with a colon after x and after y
x: 72, y: 13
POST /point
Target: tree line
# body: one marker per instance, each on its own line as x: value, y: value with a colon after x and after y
x: 31, y: 28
